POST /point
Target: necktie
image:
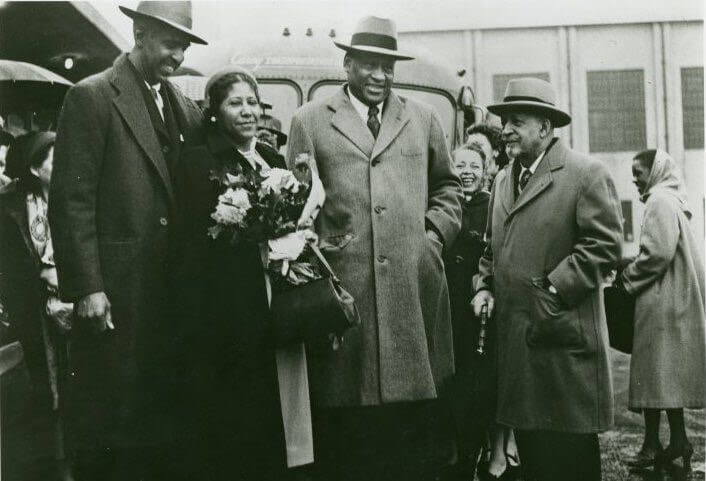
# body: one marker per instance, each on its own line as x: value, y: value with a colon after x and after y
x: 373, y: 122
x: 158, y: 100
x: 524, y: 178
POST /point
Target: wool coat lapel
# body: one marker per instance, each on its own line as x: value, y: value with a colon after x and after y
x: 347, y: 121
x: 138, y: 120
x: 394, y: 118
x: 542, y: 179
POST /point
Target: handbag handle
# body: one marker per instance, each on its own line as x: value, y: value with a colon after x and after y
x: 323, y: 261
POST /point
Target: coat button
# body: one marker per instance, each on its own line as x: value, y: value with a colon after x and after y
x: 382, y: 259
x: 379, y: 209
x: 458, y: 259
x: 374, y: 162
x: 163, y: 221
x: 165, y: 149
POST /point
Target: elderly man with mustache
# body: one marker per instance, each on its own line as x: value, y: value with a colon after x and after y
x: 554, y: 233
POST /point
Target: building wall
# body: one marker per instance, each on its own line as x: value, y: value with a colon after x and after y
x: 626, y: 77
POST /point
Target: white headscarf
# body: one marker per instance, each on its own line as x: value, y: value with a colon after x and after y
x: 665, y: 178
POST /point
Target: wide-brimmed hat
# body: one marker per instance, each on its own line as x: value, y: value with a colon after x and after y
x: 174, y: 14
x: 274, y: 125
x: 374, y: 35
x: 534, y: 95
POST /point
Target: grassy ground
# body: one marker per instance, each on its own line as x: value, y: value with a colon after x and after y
x: 616, y: 445
x: 622, y: 442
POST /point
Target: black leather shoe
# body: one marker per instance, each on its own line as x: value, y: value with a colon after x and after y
x: 644, y: 458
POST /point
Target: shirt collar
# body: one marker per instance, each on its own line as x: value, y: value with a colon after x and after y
x: 532, y: 168
x: 362, y: 109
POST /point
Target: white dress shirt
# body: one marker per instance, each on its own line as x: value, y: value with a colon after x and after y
x: 156, y: 89
x: 532, y: 168
x: 362, y: 109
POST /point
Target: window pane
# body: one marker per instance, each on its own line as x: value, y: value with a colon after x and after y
x: 616, y: 111
x: 500, y: 82
x: 439, y: 102
x: 283, y: 97
x: 692, y: 101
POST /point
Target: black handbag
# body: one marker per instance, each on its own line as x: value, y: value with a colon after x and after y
x: 620, y: 317
x: 314, y: 311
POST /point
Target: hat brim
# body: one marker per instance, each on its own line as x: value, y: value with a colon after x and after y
x: 559, y: 118
x: 281, y: 136
x: 377, y: 50
x: 187, y: 33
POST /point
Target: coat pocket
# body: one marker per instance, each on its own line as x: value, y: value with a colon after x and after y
x: 551, y: 323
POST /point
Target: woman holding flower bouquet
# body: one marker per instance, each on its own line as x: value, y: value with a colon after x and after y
x: 233, y: 402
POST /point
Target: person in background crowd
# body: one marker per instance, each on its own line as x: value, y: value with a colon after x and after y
x: 473, y: 398
x: 113, y: 213
x: 488, y: 137
x: 269, y: 131
x: 232, y: 386
x: 28, y: 279
x: 553, y: 235
x: 475, y: 382
x: 393, y: 202
x: 667, y: 367
x: 5, y: 140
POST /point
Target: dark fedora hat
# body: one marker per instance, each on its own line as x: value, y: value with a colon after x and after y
x: 174, y: 14
x: 374, y: 35
x: 529, y: 94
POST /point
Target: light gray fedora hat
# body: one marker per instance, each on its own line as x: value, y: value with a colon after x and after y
x: 174, y: 14
x: 534, y: 95
x: 374, y: 35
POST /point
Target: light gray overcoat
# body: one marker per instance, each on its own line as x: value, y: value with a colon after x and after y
x: 553, y: 368
x: 381, y: 195
x: 667, y: 367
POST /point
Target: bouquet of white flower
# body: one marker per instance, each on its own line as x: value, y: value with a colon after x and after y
x: 272, y: 207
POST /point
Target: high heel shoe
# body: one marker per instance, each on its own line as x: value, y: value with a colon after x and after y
x: 684, y: 452
x: 512, y: 469
x: 645, y: 458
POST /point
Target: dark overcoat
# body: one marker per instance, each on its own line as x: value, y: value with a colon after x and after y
x: 553, y: 367
x: 22, y: 291
x: 230, y: 384
x: 381, y: 196
x: 111, y: 210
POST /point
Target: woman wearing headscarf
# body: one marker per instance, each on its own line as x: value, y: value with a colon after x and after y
x: 667, y: 369
x: 28, y: 279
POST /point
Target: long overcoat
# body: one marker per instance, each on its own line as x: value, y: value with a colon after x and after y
x: 668, y: 362
x: 381, y: 196
x: 230, y: 390
x: 112, y: 209
x: 553, y: 367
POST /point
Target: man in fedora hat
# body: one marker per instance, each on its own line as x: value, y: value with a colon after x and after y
x: 392, y: 202
x: 269, y: 129
x: 112, y: 214
x: 554, y: 233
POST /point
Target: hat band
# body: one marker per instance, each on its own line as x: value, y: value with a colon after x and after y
x: 373, y: 40
x: 518, y: 98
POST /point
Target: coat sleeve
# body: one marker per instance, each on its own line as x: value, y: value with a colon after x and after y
x: 485, y: 264
x: 659, y: 238
x: 78, y: 156
x: 598, y: 247
x: 444, y: 208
